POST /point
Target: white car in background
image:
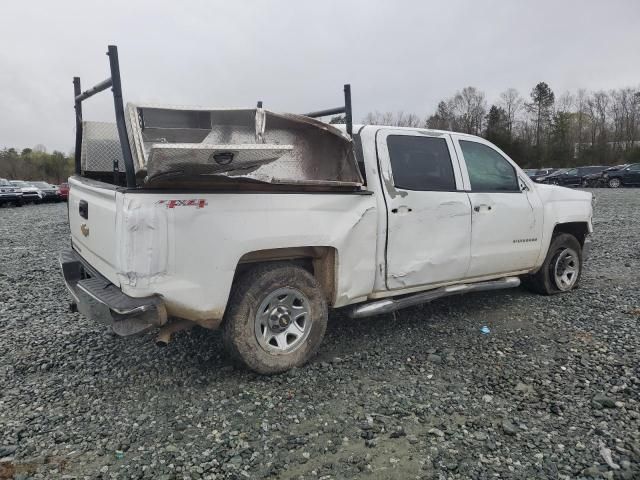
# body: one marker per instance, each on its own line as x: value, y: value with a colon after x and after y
x: 30, y: 193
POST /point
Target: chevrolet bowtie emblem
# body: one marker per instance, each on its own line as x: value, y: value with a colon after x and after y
x: 84, y: 229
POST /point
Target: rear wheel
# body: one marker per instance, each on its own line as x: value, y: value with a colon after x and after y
x: 276, y: 318
x: 561, y: 269
x: 614, y: 183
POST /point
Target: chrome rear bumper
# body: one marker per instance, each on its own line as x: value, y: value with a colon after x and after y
x: 98, y: 299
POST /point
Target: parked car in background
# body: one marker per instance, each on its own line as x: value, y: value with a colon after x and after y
x: 574, y: 176
x: 9, y: 193
x: 597, y: 180
x: 541, y: 173
x: 543, y: 178
x: 30, y: 193
x: 48, y: 191
x: 629, y: 175
x: 63, y: 191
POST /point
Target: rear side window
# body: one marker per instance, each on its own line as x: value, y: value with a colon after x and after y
x: 488, y: 170
x: 421, y: 163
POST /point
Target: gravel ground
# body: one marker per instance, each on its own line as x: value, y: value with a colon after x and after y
x: 551, y: 392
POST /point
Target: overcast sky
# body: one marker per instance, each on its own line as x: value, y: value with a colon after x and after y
x: 296, y: 55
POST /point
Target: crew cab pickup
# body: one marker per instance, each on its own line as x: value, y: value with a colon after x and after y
x: 260, y: 223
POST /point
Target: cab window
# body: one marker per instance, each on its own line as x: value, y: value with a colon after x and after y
x: 421, y: 163
x: 488, y: 170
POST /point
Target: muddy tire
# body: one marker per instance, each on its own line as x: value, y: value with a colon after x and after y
x: 561, y: 270
x: 276, y: 318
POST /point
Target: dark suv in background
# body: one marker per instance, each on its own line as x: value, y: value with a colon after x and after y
x: 574, y: 176
x: 629, y: 175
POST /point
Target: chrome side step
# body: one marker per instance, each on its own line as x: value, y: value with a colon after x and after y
x: 392, y: 304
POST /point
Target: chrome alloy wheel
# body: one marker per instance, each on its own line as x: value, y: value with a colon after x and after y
x: 614, y: 182
x: 283, y: 321
x: 566, y: 269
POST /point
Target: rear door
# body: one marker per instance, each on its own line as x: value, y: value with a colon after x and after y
x: 92, y: 221
x: 506, y: 226
x: 429, y: 215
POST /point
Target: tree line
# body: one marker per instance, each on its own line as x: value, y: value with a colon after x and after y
x: 35, y: 164
x: 576, y: 128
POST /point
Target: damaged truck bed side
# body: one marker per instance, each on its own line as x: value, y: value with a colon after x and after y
x: 258, y: 223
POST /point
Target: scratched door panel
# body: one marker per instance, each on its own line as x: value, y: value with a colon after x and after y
x: 429, y: 215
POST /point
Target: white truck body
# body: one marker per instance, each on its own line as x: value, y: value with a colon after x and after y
x: 376, y: 242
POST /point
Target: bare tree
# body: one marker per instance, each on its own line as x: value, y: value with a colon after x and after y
x: 470, y: 107
x: 399, y: 119
x: 511, y: 102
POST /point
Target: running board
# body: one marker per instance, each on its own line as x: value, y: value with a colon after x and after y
x: 392, y: 304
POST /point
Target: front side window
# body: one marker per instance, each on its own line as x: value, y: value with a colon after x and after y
x: 488, y: 170
x: 421, y: 163
x: 573, y: 171
x: 635, y: 168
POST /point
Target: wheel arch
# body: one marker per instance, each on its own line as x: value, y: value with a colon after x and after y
x: 320, y: 261
x: 579, y: 230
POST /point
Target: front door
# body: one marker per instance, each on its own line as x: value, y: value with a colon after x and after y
x: 571, y: 177
x: 506, y: 226
x: 429, y: 215
x: 633, y: 174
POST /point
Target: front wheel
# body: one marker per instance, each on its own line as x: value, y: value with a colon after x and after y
x: 561, y: 269
x: 276, y: 318
x: 614, y: 183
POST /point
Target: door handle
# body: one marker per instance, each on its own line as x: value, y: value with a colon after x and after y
x: 401, y: 210
x: 478, y: 207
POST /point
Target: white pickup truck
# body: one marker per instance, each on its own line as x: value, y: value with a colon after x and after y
x: 312, y: 217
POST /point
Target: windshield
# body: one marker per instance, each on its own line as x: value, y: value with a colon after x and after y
x: 4, y: 183
x: 41, y: 185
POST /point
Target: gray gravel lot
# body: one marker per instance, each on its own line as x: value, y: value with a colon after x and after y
x: 551, y: 392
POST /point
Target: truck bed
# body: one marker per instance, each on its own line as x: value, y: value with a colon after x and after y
x: 186, y: 247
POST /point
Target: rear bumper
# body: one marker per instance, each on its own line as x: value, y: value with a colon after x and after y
x: 100, y: 300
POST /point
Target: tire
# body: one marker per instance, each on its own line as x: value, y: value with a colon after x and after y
x: 564, y: 250
x: 614, y: 183
x: 282, y: 337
